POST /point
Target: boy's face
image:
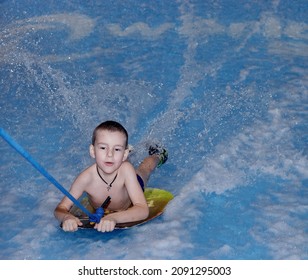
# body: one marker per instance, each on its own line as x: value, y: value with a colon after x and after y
x: 109, y: 150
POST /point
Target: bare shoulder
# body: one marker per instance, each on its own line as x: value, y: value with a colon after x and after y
x: 86, y: 176
x: 127, y: 168
x: 128, y: 173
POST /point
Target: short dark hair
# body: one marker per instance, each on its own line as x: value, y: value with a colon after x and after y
x: 110, y: 126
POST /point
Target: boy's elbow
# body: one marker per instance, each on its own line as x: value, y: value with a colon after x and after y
x: 146, y: 212
x: 143, y: 212
x: 56, y: 212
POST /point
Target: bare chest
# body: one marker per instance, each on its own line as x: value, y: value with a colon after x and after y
x: 99, y: 191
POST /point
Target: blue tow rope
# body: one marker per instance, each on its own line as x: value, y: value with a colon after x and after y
x: 96, y: 217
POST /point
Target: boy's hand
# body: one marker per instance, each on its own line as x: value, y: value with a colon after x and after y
x: 105, y: 225
x: 71, y: 223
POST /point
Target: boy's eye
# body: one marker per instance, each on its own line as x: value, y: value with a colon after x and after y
x: 103, y: 148
x: 118, y: 149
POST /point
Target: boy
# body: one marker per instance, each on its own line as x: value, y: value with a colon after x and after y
x: 111, y: 175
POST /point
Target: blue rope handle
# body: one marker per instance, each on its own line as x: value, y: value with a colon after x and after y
x: 92, y: 217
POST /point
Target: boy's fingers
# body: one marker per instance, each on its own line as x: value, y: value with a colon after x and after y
x: 105, y: 226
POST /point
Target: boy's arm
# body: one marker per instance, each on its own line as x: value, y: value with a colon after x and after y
x: 69, y: 221
x: 61, y: 212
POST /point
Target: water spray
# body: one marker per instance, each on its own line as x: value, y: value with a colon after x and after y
x: 93, y: 217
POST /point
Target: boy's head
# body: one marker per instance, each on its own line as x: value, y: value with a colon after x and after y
x: 110, y: 126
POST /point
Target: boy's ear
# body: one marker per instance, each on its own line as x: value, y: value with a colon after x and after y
x: 91, y: 149
x: 126, y: 153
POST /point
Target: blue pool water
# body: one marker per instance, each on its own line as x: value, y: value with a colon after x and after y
x: 223, y: 84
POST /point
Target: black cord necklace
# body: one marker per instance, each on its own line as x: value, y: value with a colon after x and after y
x: 109, y: 185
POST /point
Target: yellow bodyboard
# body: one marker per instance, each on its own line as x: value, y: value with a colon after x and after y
x: 157, y: 200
